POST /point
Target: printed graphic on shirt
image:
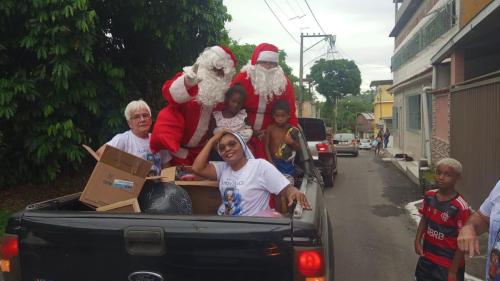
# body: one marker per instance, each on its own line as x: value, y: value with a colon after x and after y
x: 493, y: 270
x: 156, y: 159
x: 231, y: 202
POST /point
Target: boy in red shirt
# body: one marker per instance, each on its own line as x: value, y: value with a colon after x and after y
x: 444, y: 212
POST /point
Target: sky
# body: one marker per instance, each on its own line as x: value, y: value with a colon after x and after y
x: 361, y: 28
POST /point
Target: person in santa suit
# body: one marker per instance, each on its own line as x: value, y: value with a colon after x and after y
x: 182, y: 126
x: 265, y: 83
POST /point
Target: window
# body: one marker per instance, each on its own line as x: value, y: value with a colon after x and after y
x: 395, y: 116
x: 413, y: 112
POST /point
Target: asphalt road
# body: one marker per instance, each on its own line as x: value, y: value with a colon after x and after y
x: 373, y: 235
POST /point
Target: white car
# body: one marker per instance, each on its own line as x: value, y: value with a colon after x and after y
x: 365, y: 144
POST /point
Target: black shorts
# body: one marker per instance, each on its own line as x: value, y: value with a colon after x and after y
x: 428, y: 271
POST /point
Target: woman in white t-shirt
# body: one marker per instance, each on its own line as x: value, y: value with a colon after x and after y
x: 245, y: 183
x: 487, y: 218
x: 136, y: 140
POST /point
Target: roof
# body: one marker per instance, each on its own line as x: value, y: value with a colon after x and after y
x: 367, y: 115
x: 380, y: 82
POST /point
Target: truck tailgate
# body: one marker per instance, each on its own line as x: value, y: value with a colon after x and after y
x: 95, y: 246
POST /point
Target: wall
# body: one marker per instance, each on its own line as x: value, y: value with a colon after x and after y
x: 470, y: 8
x: 414, y: 21
x: 440, y: 144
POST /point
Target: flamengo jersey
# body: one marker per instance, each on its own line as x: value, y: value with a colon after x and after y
x: 444, y: 220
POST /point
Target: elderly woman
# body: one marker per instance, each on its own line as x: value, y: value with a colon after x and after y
x: 136, y: 140
x: 245, y: 183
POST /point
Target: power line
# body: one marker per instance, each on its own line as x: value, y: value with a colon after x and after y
x: 314, y: 17
x: 316, y: 58
x: 281, y: 23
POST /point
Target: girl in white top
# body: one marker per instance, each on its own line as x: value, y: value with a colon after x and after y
x: 245, y: 183
x: 136, y: 140
x: 233, y: 116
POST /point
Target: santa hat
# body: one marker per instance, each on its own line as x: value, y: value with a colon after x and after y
x: 224, y: 52
x: 265, y: 52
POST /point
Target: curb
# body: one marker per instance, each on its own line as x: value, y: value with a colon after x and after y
x: 415, y: 217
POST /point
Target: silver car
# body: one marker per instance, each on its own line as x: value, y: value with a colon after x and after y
x: 346, y: 143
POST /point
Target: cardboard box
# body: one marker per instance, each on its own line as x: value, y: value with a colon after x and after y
x: 204, y: 194
x: 117, y: 176
x: 126, y: 206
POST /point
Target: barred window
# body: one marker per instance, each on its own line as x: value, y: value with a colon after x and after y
x: 414, y: 113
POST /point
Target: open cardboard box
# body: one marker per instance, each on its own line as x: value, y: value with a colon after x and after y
x: 204, y: 194
x: 117, y: 176
x: 125, y: 206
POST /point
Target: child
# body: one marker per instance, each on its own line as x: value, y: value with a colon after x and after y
x: 233, y: 116
x: 281, y: 140
x: 444, y: 212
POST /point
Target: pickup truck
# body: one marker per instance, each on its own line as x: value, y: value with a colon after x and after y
x: 64, y: 240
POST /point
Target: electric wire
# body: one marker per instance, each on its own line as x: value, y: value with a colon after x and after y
x: 314, y: 17
x: 293, y: 38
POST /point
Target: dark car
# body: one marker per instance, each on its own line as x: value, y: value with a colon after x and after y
x: 322, y: 148
x: 64, y: 239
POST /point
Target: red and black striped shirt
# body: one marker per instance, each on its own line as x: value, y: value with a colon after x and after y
x: 444, y: 220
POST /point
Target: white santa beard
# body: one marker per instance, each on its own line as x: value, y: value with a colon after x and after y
x: 267, y: 82
x: 211, y: 88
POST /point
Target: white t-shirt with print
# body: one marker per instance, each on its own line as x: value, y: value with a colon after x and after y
x: 247, y: 191
x: 491, y: 209
x: 139, y: 147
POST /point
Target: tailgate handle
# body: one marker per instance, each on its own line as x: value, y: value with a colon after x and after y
x: 144, y: 241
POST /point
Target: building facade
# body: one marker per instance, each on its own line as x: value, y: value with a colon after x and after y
x: 382, y: 105
x: 364, y: 125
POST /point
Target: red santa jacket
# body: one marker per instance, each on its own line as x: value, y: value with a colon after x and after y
x: 257, y: 107
x: 183, y: 123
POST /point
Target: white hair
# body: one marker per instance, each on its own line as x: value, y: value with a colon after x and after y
x: 450, y: 162
x: 134, y: 106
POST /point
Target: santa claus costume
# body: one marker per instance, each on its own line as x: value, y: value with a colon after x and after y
x: 264, y: 86
x: 182, y: 126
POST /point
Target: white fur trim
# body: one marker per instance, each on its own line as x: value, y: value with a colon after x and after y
x: 259, y: 115
x: 182, y: 153
x: 221, y: 53
x: 202, y: 127
x: 268, y: 56
x: 178, y: 90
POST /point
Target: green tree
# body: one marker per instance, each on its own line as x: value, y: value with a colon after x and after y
x: 68, y: 68
x: 336, y: 78
x: 243, y: 53
x: 348, y: 109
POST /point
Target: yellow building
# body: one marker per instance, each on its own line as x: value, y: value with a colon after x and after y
x: 382, y: 105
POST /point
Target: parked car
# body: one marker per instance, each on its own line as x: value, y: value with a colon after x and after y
x: 346, y: 143
x: 322, y: 148
x: 365, y: 144
x: 64, y: 239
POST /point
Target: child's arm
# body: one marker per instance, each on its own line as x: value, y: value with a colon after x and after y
x: 267, y: 138
x: 455, y: 263
x: 418, y: 238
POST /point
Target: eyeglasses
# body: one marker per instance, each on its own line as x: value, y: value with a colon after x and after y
x: 229, y: 145
x: 144, y: 116
x: 268, y: 63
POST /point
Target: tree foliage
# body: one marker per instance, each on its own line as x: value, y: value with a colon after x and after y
x: 68, y: 68
x: 349, y: 108
x: 336, y: 78
x: 243, y: 53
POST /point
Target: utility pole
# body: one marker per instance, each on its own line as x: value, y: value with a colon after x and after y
x: 331, y: 41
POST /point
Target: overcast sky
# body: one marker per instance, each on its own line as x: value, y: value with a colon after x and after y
x: 361, y: 27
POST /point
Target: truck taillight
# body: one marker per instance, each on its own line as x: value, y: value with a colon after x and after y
x: 8, y: 250
x: 322, y: 147
x: 310, y: 263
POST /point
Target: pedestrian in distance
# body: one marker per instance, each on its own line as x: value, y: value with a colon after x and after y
x: 444, y: 211
x: 487, y: 218
x: 387, y: 134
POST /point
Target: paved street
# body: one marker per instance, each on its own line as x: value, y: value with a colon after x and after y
x: 373, y: 234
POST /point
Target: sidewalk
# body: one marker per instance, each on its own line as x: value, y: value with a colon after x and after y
x: 409, y: 168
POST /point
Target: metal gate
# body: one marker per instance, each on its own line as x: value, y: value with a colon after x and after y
x: 475, y: 136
